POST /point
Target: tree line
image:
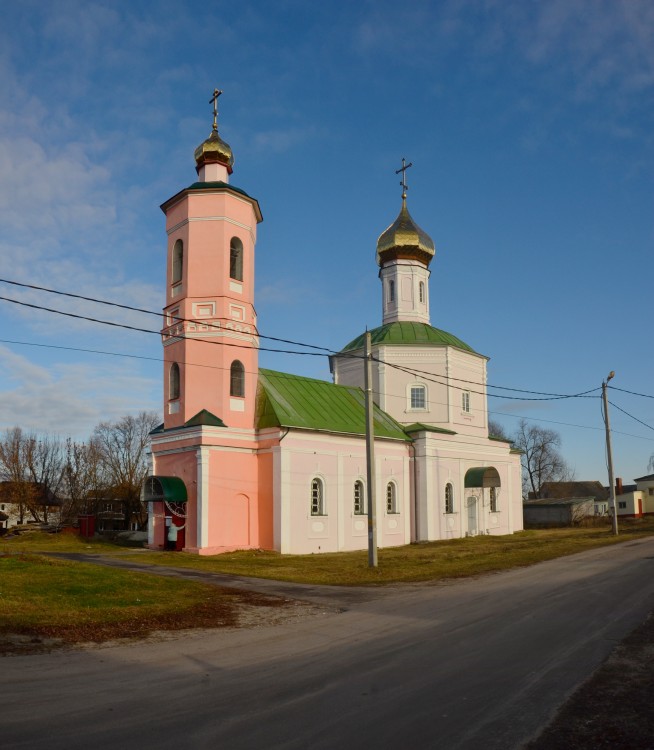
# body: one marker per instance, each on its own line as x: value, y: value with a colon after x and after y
x: 110, y: 465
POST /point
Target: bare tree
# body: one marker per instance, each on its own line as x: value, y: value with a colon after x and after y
x: 16, y: 489
x: 497, y: 430
x: 44, y: 460
x: 541, y: 460
x: 83, y: 477
x: 123, y: 449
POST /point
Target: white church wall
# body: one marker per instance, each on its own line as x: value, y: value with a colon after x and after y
x: 338, y: 462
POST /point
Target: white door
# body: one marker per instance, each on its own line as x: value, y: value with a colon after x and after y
x: 471, y: 502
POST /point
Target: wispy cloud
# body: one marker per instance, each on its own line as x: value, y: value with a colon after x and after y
x: 70, y: 399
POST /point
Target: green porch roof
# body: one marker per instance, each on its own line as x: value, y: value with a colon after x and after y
x: 159, y: 488
x: 285, y: 400
x: 409, y: 333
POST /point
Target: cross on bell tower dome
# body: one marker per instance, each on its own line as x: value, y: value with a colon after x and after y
x: 214, y: 158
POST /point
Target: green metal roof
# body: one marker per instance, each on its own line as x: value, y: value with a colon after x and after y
x: 285, y: 400
x: 205, y: 418
x: 158, y: 488
x: 420, y: 427
x: 409, y: 333
x: 215, y: 185
x: 482, y: 476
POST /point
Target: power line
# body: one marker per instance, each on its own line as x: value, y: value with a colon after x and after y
x: 378, y: 393
x: 640, y: 421
x: 140, y: 310
x: 633, y: 393
x: 270, y: 338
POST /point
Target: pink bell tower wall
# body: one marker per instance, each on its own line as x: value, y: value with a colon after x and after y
x: 211, y: 365
x: 212, y: 311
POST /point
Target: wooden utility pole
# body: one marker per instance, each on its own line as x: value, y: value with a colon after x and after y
x: 370, y: 454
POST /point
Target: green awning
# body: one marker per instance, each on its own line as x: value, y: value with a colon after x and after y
x: 160, y: 489
x: 482, y: 476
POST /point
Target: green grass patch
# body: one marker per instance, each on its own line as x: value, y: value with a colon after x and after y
x: 46, y: 598
x: 40, y: 541
x: 433, y: 561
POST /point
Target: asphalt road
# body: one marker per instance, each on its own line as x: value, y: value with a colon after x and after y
x: 480, y: 663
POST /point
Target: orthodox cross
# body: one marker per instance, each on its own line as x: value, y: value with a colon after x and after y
x: 214, y: 99
x: 403, y: 169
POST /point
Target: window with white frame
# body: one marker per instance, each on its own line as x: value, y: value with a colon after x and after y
x: 418, y: 397
x: 359, y: 501
x: 178, y: 262
x: 493, y: 499
x: 391, y: 498
x: 449, y: 498
x: 465, y: 402
x: 317, y: 497
x: 236, y: 259
x: 173, y: 382
x: 237, y: 379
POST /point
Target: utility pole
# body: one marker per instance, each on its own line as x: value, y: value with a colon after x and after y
x: 609, y: 455
x: 370, y: 455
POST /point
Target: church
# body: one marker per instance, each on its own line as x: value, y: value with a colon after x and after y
x: 250, y: 458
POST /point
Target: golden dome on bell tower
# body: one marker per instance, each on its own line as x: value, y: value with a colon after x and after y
x: 214, y: 150
x: 405, y: 240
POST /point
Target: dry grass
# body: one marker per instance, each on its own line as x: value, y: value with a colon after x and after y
x: 433, y: 561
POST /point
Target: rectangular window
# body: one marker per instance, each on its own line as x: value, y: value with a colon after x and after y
x: 465, y: 402
x: 622, y: 505
x: 418, y: 400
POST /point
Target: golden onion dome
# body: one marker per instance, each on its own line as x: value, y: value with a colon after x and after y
x: 214, y: 150
x: 404, y: 239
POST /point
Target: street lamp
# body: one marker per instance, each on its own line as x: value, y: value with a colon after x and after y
x: 609, y: 454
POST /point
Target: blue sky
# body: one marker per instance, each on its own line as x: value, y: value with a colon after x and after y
x: 530, y: 126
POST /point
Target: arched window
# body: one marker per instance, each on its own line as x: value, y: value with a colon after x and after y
x: 391, y: 498
x: 421, y: 291
x: 236, y: 259
x: 178, y: 261
x: 391, y: 291
x: 449, y: 498
x: 173, y: 381
x: 317, y: 497
x: 493, y: 499
x: 359, y: 502
x: 418, y: 397
x: 237, y: 379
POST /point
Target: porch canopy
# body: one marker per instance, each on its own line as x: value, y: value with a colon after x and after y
x: 482, y: 476
x: 164, y: 489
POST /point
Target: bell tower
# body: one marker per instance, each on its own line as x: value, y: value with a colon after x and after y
x: 210, y: 330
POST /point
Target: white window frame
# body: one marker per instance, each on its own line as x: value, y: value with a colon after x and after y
x: 359, y: 498
x: 449, y: 498
x: 492, y: 493
x: 392, y: 507
x: 465, y: 402
x: 415, y: 387
x: 317, y: 497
